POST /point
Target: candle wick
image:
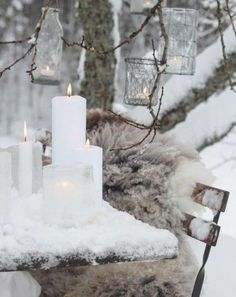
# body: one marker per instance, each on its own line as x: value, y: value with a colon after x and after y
x: 25, y: 139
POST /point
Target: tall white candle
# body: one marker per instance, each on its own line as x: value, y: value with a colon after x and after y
x: 29, y: 166
x: 68, y: 126
x: 5, y: 184
x: 92, y: 155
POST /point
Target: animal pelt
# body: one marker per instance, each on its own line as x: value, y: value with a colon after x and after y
x: 152, y: 182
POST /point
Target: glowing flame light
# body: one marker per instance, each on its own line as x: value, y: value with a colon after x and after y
x: 65, y: 184
x: 69, y: 90
x: 88, y: 142
x: 25, y: 131
x: 148, y: 3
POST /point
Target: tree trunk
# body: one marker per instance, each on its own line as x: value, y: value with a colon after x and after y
x: 98, y: 84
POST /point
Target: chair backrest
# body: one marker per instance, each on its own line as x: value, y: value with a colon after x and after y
x: 214, y: 199
x: 205, y: 231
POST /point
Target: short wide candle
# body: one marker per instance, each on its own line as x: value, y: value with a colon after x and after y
x: 92, y: 155
x: 5, y: 185
x: 68, y: 127
x: 68, y: 194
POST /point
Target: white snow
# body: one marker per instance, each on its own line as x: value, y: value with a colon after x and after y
x: 200, y: 229
x: 80, y: 69
x: 213, y: 199
x: 208, y: 119
x: 106, y: 231
x: 18, y: 284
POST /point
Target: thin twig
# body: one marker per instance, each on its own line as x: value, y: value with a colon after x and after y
x: 15, y: 41
x: 231, y: 16
x: 101, y: 52
x: 32, y: 47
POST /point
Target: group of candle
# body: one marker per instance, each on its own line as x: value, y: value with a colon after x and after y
x: 73, y: 161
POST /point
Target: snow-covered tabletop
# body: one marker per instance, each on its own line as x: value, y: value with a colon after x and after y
x: 102, y: 235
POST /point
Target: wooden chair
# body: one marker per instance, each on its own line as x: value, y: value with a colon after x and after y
x: 205, y: 231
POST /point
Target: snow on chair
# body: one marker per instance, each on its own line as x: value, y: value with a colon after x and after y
x: 205, y: 231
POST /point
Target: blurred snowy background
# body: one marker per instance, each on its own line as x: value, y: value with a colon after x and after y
x: 199, y: 110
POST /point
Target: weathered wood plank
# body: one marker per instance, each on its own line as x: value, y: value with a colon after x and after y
x: 208, y: 231
x: 213, y: 198
x: 43, y: 263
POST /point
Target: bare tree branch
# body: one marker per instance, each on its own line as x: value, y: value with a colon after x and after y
x: 216, y: 138
x: 101, y: 52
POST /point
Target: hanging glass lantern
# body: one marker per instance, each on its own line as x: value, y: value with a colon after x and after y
x: 140, y: 78
x: 49, y: 49
x: 181, y: 28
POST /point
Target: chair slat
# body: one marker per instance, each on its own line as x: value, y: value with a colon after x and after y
x: 213, y: 198
x: 205, y: 231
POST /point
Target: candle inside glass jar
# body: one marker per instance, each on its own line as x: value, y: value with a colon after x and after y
x: 144, y: 95
x: 47, y: 71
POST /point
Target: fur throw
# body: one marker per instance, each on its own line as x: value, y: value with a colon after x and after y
x: 152, y: 182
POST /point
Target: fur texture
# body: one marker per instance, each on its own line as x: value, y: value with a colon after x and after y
x: 153, y: 182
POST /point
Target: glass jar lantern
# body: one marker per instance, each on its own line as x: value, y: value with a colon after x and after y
x: 49, y: 49
x: 181, y: 27
x: 140, y: 78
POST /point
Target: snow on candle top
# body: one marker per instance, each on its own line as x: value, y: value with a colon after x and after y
x: 69, y: 90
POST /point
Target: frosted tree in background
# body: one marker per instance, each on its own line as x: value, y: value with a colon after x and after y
x: 101, y: 80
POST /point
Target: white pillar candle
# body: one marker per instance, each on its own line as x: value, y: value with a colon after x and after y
x: 92, y: 155
x: 5, y: 185
x: 29, y: 166
x: 68, y: 126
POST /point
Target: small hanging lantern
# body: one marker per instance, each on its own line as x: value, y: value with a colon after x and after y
x: 181, y: 27
x: 140, y: 78
x: 49, y: 49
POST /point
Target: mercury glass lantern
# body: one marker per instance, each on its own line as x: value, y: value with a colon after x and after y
x: 181, y: 27
x: 49, y: 49
x: 140, y: 79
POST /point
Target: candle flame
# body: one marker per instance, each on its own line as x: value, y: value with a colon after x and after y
x: 25, y: 131
x: 148, y: 3
x: 47, y: 68
x: 88, y: 142
x: 65, y: 184
x: 69, y: 90
x: 145, y: 91
x: 175, y: 60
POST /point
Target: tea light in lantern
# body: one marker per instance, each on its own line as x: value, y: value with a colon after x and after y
x: 68, y: 126
x: 29, y: 165
x: 144, y: 95
x: 92, y: 155
x: 5, y: 184
x: 175, y: 63
x: 47, y: 71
